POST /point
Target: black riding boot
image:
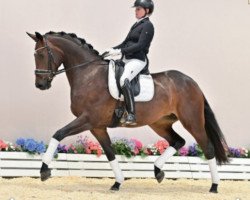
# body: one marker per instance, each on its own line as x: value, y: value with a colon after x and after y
x: 130, y: 103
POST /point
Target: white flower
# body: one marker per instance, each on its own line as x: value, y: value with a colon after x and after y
x: 10, y: 145
x: 152, y: 148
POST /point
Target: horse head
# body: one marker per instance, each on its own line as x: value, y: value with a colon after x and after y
x: 48, y: 59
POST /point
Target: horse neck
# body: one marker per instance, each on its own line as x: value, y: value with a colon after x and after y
x: 73, y: 55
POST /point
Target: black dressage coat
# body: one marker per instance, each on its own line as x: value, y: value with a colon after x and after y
x: 137, y: 43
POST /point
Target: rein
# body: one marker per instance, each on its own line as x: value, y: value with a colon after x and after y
x: 76, y: 66
x: 52, y: 73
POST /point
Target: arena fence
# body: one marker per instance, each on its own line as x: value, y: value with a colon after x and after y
x: 16, y: 164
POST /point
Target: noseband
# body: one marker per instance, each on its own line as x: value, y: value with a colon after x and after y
x: 51, y: 60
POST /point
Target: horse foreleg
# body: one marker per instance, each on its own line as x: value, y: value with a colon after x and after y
x: 78, y: 125
x: 103, y: 138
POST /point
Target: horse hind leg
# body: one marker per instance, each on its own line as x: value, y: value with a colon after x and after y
x: 163, y: 128
x: 193, y: 120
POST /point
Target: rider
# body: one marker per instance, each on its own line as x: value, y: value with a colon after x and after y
x: 134, y: 50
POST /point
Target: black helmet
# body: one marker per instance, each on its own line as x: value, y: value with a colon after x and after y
x: 146, y: 4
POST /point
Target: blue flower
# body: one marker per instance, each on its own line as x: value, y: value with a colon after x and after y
x: 193, y: 150
x: 62, y: 148
x: 237, y: 153
x: 20, y: 141
x: 131, y: 144
x: 234, y: 152
x: 40, y: 148
x: 30, y: 145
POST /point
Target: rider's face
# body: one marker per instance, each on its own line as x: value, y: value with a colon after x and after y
x: 140, y: 12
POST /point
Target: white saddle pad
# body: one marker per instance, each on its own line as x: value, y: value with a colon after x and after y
x: 146, y: 85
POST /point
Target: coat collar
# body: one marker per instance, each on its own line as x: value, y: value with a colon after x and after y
x: 140, y: 22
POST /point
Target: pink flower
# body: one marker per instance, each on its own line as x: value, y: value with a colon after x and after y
x: 99, y: 152
x: 138, y: 143
x: 161, y: 151
x: 3, y: 145
x: 183, y: 151
x: 136, y: 151
x: 161, y: 145
x: 88, y: 151
x: 243, y: 152
x: 73, y: 148
x: 67, y: 148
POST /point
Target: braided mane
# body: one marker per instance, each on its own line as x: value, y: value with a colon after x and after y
x: 73, y: 37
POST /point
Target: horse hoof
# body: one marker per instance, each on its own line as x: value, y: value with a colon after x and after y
x: 45, y: 172
x: 115, y: 187
x: 45, y: 175
x: 213, y: 191
x: 160, y: 176
x: 213, y: 188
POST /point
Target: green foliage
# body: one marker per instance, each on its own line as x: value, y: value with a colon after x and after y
x: 122, y: 149
x: 80, y: 149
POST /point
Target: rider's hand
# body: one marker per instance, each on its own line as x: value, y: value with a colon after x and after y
x: 113, y: 52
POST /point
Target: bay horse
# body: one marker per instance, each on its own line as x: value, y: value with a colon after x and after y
x: 177, y: 97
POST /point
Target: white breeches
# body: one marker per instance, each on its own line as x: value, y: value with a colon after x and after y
x: 131, y: 69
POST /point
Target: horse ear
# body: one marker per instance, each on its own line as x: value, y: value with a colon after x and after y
x: 32, y: 36
x: 39, y: 36
x: 35, y: 37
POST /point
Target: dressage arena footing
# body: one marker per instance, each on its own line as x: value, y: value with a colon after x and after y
x: 187, y: 178
x: 74, y: 188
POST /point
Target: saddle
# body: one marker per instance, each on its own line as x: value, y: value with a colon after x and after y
x: 142, y: 87
x: 135, y: 83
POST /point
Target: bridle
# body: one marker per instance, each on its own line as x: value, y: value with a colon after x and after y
x: 51, y: 60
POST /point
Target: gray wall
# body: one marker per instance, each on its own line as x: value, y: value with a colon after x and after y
x: 208, y: 40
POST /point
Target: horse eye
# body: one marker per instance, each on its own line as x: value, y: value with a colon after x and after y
x: 40, y: 56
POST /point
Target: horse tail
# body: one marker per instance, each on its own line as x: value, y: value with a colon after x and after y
x: 215, y: 135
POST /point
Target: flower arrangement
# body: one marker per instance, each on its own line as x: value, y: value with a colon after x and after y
x: 30, y: 145
x: 160, y: 146
x: 238, y: 153
x: 85, y: 145
x: 121, y: 146
x: 7, y: 146
x: 81, y: 146
x: 195, y: 150
x: 3, y: 145
x: 128, y: 147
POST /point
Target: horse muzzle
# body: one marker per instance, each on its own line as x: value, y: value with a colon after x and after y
x: 45, y: 85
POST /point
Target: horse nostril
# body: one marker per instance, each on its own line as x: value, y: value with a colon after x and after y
x: 43, y: 86
x: 38, y: 85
